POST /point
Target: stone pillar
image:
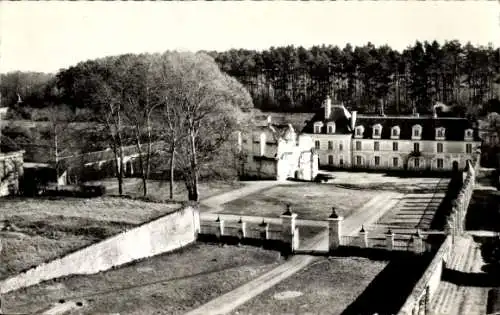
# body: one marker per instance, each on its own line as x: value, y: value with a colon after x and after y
x: 334, y: 230
x: 389, y: 240
x: 220, y: 227
x: 264, y: 230
x: 427, y: 302
x: 421, y: 306
x: 418, y: 243
x: 243, y: 227
x: 288, y: 226
x: 363, y: 235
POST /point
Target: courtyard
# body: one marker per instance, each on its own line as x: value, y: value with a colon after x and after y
x: 312, y: 201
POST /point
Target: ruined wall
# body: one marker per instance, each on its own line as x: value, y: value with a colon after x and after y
x: 168, y: 233
x: 11, y: 170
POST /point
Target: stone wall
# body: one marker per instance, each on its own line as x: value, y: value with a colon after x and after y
x: 165, y: 234
x: 11, y: 170
x: 455, y: 221
x: 418, y: 302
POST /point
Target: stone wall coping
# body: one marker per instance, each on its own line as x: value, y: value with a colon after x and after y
x: 420, y: 286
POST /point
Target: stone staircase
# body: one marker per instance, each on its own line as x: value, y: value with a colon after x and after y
x: 453, y: 299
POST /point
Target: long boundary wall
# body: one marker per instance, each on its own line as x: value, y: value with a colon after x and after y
x: 165, y: 234
x: 455, y: 221
x: 418, y: 302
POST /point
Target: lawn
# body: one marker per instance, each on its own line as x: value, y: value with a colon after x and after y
x: 35, y: 230
x: 327, y: 286
x: 309, y: 201
x: 166, y: 284
x: 160, y: 190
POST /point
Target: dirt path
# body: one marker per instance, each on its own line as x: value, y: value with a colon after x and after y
x: 231, y: 300
x: 215, y: 203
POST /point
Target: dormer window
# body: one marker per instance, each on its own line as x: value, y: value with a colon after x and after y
x: 377, y: 131
x: 395, y: 132
x: 416, y: 132
x: 330, y: 127
x: 440, y: 133
x: 317, y: 127
x: 468, y: 134
x: 359, y: 131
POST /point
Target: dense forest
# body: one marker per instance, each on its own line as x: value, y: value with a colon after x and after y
x: 368, y: 78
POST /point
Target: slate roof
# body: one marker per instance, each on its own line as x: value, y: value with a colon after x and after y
x: 338, y: 115
x: 455, y: 127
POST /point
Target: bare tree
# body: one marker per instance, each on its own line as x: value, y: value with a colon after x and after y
x: 210, y: 103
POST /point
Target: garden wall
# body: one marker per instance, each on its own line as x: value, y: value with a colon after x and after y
x: 165, y: 234
x: 455, y: 221
x: 425, y: 288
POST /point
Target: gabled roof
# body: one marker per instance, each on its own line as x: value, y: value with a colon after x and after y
x: 339, y: 115
x: 455, y: 127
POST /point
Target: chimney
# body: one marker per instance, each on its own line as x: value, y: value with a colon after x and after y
x: 328, y: 107
x: 354, y: 115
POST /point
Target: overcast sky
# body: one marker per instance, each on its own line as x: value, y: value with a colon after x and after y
x: 47, y: 36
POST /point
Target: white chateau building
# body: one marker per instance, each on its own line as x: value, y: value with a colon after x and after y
x: 345, y: 139
x: 276, y: 151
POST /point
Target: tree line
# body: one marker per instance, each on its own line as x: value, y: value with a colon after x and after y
x: 180, y: 99
x: 367, y: 78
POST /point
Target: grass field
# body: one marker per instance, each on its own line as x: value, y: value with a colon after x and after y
x: 167, y: 284
x: 159, y: 190
x: 309, y: 201
x: 327, y: 286
x: 42, y: 229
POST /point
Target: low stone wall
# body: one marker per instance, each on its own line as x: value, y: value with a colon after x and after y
x: 418, y: 302
x: 165, y: 234
x: 284, y: 236
x: 455, y: 220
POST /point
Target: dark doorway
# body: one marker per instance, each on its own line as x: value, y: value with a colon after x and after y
x: 455, y: 166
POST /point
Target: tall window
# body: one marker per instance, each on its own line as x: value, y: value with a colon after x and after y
x: 394, y: 132
x: 330, y: 145
x: 341, y: 146
x: 341, y: 161
x: 468, y: 148
x: 395, y: 162
x: 440, y: 147
x: 358, y: 145
x: 317, y: 145
x: 377, y: 160
x: 376, y: 132
x: 440, y: 133
x: 440, y: 163
x: 416, y: 132
x: 394, y: 146
x: 376, y: 146
x: 358, y: 160
x: 416, y: 147
x: 317, y: 129
x: 330, y: 159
